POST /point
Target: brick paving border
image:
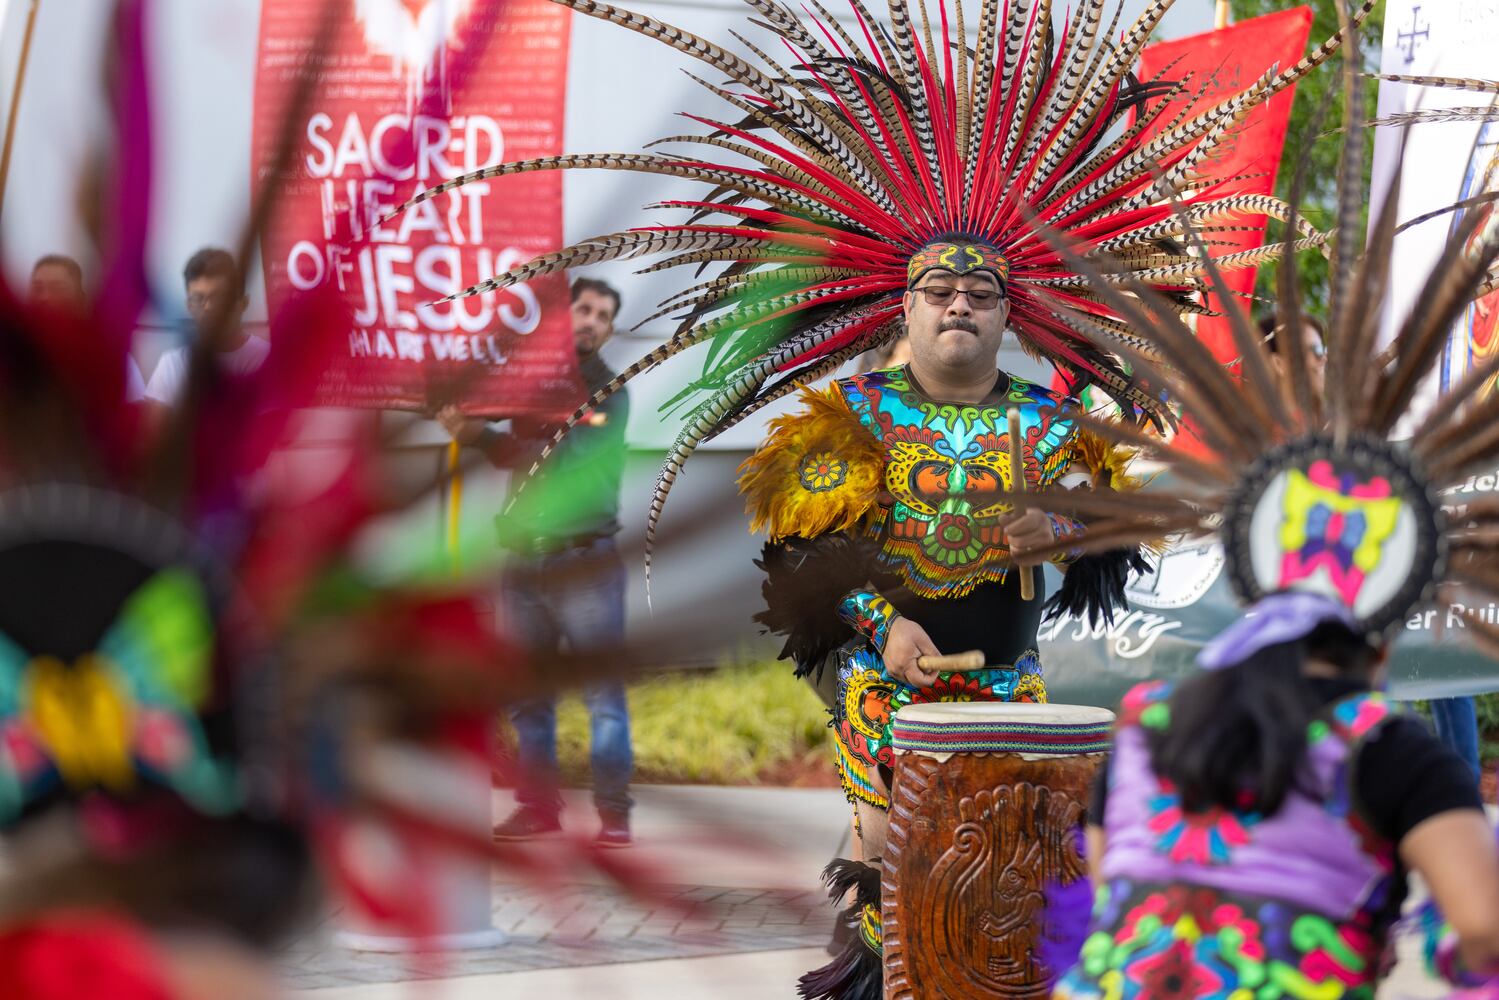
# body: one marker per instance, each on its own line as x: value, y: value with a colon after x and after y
x: 585, y: 925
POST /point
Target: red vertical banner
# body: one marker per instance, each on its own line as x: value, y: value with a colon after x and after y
x: 1222, y: 63
x: 413, y: 93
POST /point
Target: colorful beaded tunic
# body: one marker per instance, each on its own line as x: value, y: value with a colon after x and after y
x: 947, y: 466
x: 893, y: 503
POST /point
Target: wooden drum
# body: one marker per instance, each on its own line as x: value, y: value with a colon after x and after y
x: 986, y: 800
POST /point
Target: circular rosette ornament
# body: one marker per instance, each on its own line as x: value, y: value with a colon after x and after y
x: 1357, y: 522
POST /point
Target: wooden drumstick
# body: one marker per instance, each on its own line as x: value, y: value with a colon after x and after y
x: 1017, y: 485
x: 953, y: 663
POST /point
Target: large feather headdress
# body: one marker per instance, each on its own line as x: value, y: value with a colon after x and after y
x: 1310, y: 491
x: 862, y: 152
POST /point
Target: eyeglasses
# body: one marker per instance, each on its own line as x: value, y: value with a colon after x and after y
x: 199, y: 301
x: 979, y: 298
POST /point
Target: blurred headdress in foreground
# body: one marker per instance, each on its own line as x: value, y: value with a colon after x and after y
x: 189, y: 651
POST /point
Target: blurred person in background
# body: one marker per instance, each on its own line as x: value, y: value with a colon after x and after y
x: 895, y: 354
x: 216, y: 302
x: 564, y: 582
x: 1314, y: 339
x: 57, y: 283
x: 892, y: 355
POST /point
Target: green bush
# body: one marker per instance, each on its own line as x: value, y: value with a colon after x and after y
x: 724, y: 727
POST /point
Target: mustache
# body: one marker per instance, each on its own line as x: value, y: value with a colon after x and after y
x: 958, y: 323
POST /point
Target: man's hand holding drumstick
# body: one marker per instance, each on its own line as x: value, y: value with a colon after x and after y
x: 1025, y: 533
x: 905, y: 644
x: 911, y: 657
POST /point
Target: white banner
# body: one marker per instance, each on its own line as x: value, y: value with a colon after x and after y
x: 1444, y: 162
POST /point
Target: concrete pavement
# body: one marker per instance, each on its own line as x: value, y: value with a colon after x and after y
x: 766, y: 975
x: 733, y: 872
x: 736, y: 914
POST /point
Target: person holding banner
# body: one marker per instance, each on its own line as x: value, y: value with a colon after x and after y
x: 564, y: 583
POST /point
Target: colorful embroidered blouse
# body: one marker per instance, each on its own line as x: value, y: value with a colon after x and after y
x: 1228, y: 904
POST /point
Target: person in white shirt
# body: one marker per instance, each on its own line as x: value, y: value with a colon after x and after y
x: 57, y: 283
x: 213, y: 287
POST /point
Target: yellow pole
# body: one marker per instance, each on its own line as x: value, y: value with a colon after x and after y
x: 15, y: 98
x: 1221, y: 20
x: 455, y: 500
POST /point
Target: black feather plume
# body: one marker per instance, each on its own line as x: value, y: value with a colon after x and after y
x: 804, y: 581
x: 1093, y: 587
x: 857, y: 972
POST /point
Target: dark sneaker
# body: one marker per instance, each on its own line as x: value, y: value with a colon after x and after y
x: 528, y: 824
x: 614, y: 829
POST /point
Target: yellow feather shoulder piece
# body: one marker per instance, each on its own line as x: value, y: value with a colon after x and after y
x: 820, y: 470
x: 1107, y: 462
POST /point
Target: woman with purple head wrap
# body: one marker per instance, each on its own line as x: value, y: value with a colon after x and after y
x: 1254, y: 829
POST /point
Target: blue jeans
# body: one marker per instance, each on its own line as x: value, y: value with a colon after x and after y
x: 574, y: 598
x: 1456, y: 722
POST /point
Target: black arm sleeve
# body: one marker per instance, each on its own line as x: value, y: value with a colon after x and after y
x: 505, y: 451
x: 1098, y: 799
x: 1406, y: 775
x: 521, y: 445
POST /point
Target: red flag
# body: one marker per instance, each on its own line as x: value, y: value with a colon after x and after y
x: 1222, y: 63
x: 416, y: 92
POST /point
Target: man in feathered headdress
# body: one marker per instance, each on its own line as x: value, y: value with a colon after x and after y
x: 889, y: 545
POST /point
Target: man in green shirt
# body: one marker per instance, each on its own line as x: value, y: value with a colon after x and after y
x: 564, y: 584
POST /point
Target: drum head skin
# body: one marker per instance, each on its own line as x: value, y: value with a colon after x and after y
x: 1355, y: 522
x: 1002, y: 727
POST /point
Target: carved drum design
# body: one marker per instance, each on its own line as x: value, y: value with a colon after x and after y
x: 987, y: 799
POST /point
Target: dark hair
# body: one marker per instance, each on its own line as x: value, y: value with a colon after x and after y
x: 1237, y: 737
x: 210, y: 262
x: 60, y: 260
x: 598, y: 288
x: 1269, y: 324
